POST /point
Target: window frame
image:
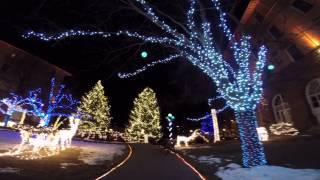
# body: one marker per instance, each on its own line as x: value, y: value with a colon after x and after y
x: 274, y: 37
x: 299, y: 10
x: 289, y: 54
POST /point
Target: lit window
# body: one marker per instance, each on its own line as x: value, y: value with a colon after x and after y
x: 302, y: 5
x: 294, y: 52
x: 275, y: 32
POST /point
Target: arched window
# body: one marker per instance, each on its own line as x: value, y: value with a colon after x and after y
x: 313, y: 97
x: 281, y: 109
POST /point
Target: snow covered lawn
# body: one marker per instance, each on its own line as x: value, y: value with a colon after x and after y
x: 84, y: 160
x: 296, y: 159
x: 96, y: 154
x: 9, y: 170
x: 236, y: 172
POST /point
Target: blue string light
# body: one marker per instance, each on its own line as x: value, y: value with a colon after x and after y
x: 207, y: 125
x: 57, y: 102
x: 33, y: 104
x: 208, y: 115
x: 239, y: 87
x: 200, y: 118
x: 16, y: 103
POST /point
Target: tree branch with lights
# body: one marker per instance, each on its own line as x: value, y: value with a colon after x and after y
x: 236, y: 83
x: 59, y: 104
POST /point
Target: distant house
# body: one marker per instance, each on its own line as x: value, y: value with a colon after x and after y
x: 290, y: 30
x: 21, y: 72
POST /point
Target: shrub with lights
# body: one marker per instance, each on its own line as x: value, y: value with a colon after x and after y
x: 45, y: 139
x: 144, y: 119
x: 16, y: 103
x: 283, y: 129
x: 237, y: 83
x: 59, y: 103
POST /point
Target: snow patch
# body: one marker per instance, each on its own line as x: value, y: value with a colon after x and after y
x: 96, y: 154
x: 6, y: 147
x: 236, y: 172
x: 65, y: 165
x: 209, y: 160
x: 9, y: 170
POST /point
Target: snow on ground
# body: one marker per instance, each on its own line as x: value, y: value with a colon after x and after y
x: 8, y: 170
x: 236, y: 172
x: 65, y: 165
x: 91, y: 153
x: 5, y: 146
x: 209, y: 159
x: 97, y: 153
x: 192, y: 147
x: 8, y: 139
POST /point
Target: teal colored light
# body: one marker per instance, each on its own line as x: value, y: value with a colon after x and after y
x: 144, y: 54
x: 171, y: 116
x: 271, y: 67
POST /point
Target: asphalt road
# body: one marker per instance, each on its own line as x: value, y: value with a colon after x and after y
x: 149, y: 162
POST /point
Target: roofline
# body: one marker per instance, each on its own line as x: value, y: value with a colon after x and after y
x: 38, y: 58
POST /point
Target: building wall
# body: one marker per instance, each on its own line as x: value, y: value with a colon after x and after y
x: 21, y: 72
x: 295, y: 66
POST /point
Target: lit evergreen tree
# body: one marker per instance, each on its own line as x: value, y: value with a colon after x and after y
x: 238, y: 79
x: 145, y: 117
x: 95, y: 108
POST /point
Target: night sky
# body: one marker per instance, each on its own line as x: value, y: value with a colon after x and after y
x: 181, y: 88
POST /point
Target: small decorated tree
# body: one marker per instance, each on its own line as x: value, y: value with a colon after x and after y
x: 95, y: 108
x: 59, y: 103
x: 144, y: 119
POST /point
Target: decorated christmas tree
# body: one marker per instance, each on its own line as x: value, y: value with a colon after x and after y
x: 95, y: 109
x: 144, y: 119
x: 238, y: 79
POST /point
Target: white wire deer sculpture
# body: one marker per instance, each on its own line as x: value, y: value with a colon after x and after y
x: 37, y: 144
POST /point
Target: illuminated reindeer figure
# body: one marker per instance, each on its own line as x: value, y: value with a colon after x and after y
x: 39, y: 143
x: 192, y: 137
x: 65, y: 136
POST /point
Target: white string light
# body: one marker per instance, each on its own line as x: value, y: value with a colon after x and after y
x: 144, y: 68
x: 207, y: 116
x: 240, y: 88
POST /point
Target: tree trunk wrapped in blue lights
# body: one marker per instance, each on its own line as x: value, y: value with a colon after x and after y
x: 237, y: 83
x: 252, y: 148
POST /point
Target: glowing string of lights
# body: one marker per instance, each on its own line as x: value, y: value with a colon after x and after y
x: 117, y: 166
x: 189, y: 165
x: 213, y: 99
x: 207, y: 116
x: 74, y: 33
x: 57, y: 101
x: 241, y: 89
x: 144, y: 68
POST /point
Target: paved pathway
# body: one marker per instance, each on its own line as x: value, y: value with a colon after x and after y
x: 148, y: 162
